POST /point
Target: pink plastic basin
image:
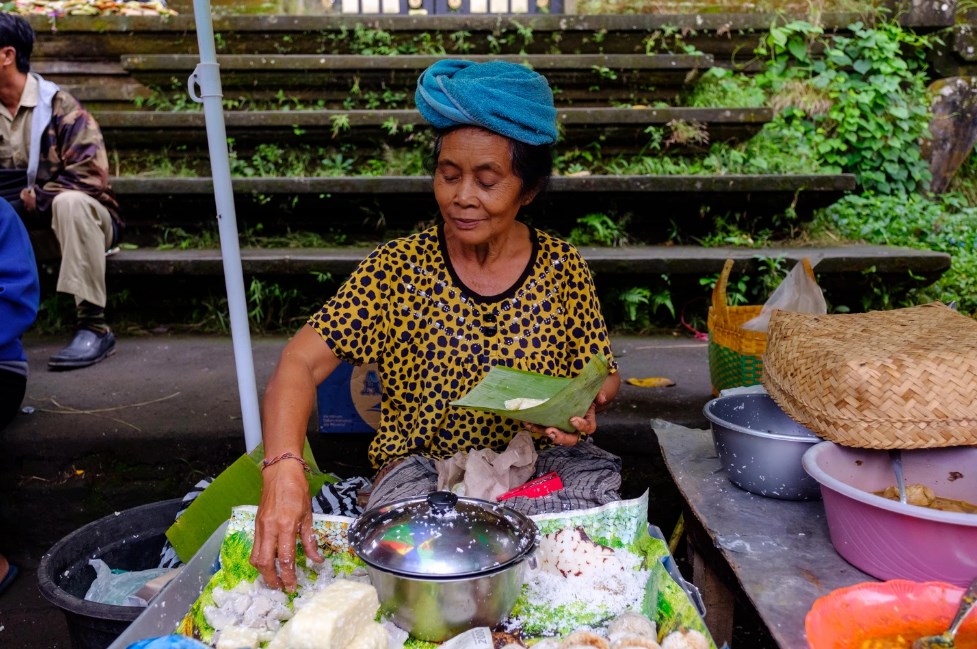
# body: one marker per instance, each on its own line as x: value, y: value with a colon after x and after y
x: 890, y: 540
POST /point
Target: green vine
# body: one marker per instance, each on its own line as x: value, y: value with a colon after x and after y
x: 862, y: 102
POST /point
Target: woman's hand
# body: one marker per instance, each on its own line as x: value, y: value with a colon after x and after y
x: 586, y: 425
x: 284, y: 513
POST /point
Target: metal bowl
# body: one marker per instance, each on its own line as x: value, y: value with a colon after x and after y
x: 442, y: 564
x: 761, y: 447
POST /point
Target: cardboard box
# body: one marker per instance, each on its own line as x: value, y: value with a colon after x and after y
x: 348, y: 401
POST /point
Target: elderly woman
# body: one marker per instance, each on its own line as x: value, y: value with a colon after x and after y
x: 437, y: 310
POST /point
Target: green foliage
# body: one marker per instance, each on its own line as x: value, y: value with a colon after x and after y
x: 601, y: 7
x: 502, y: 39
x: 56, y: 314
x: 722, y: 88
x: 637, y: 308
x: 863, y: 102
x: 947, y: 224
x: 368, y: 42
x: 781, y: 147
x: 267, y: 300
x: 176, y: 238
x: 669, y: 39
x: 340, y: 124
x: 599, y: 230
x: 460, y: 42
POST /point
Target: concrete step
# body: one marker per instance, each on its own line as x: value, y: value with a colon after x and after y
x: 335, y: 79
x: 721, y: 34
x: 365, y: 205
x: 834, y: 184
x: 626, y: 261
x: 161, y: 285
x: 133, y: 129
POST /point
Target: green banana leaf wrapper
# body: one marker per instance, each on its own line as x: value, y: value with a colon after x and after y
x: 565, y: 397
x: 238, y: 484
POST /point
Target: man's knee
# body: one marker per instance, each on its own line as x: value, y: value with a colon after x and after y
x: 78, y: 212
x: 69, y: 204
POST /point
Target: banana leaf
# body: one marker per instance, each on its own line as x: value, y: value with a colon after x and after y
x: 565, y: 397
x: 238, y: 484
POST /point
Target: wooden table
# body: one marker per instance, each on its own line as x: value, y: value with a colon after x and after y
x: 777, y: 550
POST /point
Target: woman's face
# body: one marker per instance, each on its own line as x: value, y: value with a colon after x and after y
x: 476, y: 189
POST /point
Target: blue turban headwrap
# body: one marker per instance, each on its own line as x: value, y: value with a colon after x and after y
x: 505, y: 98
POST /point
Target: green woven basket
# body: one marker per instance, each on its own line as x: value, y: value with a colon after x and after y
x: 729, y: 368
x: 735, y: 353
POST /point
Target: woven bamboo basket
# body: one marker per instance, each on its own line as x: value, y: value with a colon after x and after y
x: 905, y: 378
x: 735, y: 353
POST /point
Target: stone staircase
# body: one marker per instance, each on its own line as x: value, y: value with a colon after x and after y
x: 344, y: 85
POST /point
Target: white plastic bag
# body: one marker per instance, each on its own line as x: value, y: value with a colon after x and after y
x: 114, y: 588
x: 798, y: 292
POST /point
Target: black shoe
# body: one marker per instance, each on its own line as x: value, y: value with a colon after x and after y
x: 86, y: 348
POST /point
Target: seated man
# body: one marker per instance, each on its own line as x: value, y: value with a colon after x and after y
x: 46, y: 134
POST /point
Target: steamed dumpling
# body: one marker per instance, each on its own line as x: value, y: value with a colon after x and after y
x: 523, y: 403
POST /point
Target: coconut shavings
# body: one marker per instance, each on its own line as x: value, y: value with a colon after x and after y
x: 579, y: 584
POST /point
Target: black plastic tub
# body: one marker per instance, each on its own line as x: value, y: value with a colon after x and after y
x: 129, y: 540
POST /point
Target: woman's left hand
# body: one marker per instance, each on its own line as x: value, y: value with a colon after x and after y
x: 586, y: 425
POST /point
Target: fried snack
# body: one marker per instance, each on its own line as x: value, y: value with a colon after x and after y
x: 686, y: 639
x: 585, y: 639
x: 631, y: 623
x: 634, y: 641
x: 501, y: 640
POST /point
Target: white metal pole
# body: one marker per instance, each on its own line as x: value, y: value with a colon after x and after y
x: 206, y: 77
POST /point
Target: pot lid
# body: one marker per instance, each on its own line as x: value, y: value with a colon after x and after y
x: 442, y: 535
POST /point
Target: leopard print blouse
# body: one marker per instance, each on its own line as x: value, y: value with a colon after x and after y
x: 434, y: 339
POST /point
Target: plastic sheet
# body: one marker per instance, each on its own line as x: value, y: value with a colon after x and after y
x: 112, y: 587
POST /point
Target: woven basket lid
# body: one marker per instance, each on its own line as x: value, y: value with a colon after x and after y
x: 904, y: 378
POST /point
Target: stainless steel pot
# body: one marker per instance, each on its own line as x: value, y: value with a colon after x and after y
x: 443, y: 564
x: 760, y: 446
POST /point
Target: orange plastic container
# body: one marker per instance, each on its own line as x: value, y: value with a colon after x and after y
x: 848, y: 618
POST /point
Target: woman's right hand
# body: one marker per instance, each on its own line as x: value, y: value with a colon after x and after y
x: 284, y: 513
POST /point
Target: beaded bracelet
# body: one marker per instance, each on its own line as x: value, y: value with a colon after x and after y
x: 287, y: 455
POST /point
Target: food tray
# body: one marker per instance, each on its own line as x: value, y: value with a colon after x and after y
x: 165, y: 612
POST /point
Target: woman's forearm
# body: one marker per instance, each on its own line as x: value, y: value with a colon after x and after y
x: 610, y: 387
x: 290, y: 396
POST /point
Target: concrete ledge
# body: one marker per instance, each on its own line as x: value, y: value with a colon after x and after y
x: 718, y: 184
x: 706, y: 21
x: 154, y: 121
x: 634, y: 260
x: 620, y: 127
x: 308, y: 63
